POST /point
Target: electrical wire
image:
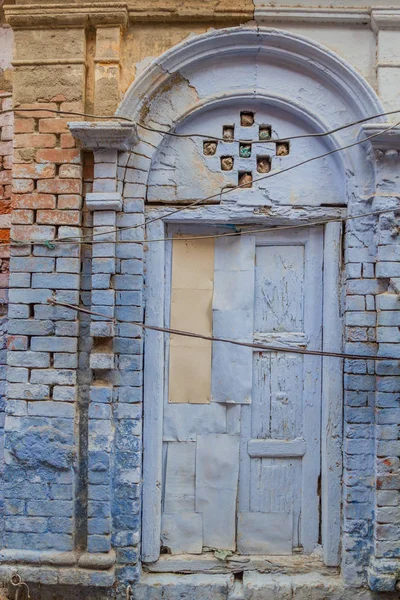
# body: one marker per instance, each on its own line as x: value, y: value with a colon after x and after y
x: 256, y: 345
x: 212, y: 236
x: 231, y: 189
x: 200, y: 135
x: 213, y: 196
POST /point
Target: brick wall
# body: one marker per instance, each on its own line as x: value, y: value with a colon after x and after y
x: 6, y: 135
x: 42, y: 350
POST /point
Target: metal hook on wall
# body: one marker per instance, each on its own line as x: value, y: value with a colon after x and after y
x: 16, y: 581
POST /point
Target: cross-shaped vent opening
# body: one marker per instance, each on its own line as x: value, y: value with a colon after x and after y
x: 282, y: 148
x: 246, y: 118
x: 263, y: 164
x: 244, y: 150
x: 227, y: 163
x: 245, y: 179
x: 228, y: 132
x: 209, y: 148
x: 265, y: 132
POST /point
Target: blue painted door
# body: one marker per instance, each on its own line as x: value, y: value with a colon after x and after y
x: 241, y: 471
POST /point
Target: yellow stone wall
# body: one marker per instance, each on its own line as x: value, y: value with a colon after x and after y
x: 87, y: 54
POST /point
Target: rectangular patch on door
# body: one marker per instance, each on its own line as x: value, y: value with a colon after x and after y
x: 233, y: 319
x: 192, y: 284
x: 182, y: 532
x: 217, y: 472
x: 265, y: 533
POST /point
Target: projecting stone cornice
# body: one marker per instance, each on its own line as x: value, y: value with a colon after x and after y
x: 105, y: 134
x: 385, y: 18
x: 386, y: 143
x: 342, y: 16
x: 55, y: 13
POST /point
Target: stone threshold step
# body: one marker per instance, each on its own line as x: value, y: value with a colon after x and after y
x: 248, y: 586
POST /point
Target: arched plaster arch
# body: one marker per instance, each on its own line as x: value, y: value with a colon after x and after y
x: 285, y: 72
x: 311, y: 83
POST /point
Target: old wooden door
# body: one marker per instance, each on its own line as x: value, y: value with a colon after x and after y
x: 242, y: 461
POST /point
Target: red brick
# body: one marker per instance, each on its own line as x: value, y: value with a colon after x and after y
x: 73, y: 171
x: 5, y: 221
x: 5, y: 177
x: 58, y: 217
x: 59, y: 186
x: 4, y: 280
x: 4, y: 235
x: 17, y: 342
x: 67, y: 140
x: 6, y: 148
x: 38, y: 114
x: 34, y: 171
x: 35, y: 140
x: 24, y: 155
x: 7, y: 192
x: 26, y: 233
x: 22, y: 217
x: 34, y: 201
x: 7, y: 162
x: 58, y: 155
x: 69, y: 201
x: 24, y: 125
x: 73, y: 106
x: 22, y: 186
x: 53, y: 125
x: 6, y: 133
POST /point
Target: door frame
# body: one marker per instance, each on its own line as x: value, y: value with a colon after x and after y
x: 332, y: 368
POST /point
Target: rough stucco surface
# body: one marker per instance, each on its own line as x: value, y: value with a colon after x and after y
x: 72, y: 471
x: 6, y: 120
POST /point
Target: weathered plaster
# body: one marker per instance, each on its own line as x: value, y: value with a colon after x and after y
x: 306, y: 88
x: 6, y: 45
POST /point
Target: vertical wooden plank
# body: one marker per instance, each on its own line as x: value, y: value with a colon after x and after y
x: 244, y: 460
x: 332, y: 399
x: 309, y: 526
x: 191, y: 310
x: 279, y: 285
x: 180, y: 477
x: 233, y: 318
x: 153, y: 397
x: 286, y: 395
x: 217, y: 471
x: 261, y: 399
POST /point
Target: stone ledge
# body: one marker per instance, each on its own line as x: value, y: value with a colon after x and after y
x: 105, y: 134
x: 387, y: 140
x: 95, y: 561
x: 104, y: 201
x: 385, y: 18
x: 60, y: 576
x: 53, y: 13
x: 48, y: 14
x: 383, y: 574
x: 255, y: 586
x: 334, y: 16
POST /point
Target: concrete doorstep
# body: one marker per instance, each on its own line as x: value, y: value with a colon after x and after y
x: 252, y: 586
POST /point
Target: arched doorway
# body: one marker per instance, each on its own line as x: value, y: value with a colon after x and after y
x: 282, y: 465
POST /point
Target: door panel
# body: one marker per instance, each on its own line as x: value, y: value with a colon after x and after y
x: 280, y: 455
x: 247, y: 464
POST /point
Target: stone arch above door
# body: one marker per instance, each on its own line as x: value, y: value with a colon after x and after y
x: 298, y: 87
x: 290, y: 83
